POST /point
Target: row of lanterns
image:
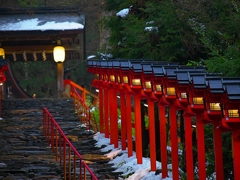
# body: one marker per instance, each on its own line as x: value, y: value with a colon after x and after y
x: 209, y: 97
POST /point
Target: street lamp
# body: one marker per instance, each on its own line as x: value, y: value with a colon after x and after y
x: 59, y: 57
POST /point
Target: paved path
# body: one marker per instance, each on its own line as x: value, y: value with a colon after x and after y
x: 24, y: 153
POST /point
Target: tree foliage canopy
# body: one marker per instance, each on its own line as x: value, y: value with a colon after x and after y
x: 177, y: 30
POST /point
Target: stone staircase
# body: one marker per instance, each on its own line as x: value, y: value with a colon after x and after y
x: 24, y: 153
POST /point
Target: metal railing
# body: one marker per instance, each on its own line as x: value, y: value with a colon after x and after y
x: 71, y: 161
x: 78, y: 94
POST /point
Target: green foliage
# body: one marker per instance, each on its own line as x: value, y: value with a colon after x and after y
x: 29, y: 3
x: 157, y: 30
x: 96, y: 115
x: 36, y: 77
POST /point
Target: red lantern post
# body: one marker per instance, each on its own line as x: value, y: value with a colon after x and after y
x: 125, y: 74
x: 151, y: 98
x: 136, y: 86
x: 230, y: 120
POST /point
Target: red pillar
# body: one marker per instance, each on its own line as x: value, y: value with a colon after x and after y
x: 114, y: 120
x: 236, y: 154
x: 129, y: 124
x: 163, y: 140
x: 106, y: 113
x: 201, y: 147
x: 110, y: 114
x: 100, y: 94
x: 138, y: 128
x: 123, y: 120
x: 217, y: 137
x: 152, y: 137
x: 174, y: 142
x: 188, y: 146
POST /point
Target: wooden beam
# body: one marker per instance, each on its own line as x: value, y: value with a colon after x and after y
x: 30, y: 49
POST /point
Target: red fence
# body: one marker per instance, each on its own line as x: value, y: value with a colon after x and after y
x: 204, y: 98
x: 73, y: 165
x: 78, y: 94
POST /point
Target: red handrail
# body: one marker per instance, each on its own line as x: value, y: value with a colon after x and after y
x: 80, y: 105
x: 65, y: 152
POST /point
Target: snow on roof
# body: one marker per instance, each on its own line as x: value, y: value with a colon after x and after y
x: 41, y: 22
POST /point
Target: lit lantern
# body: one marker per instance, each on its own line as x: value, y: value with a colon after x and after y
x: 2, y: 53
x: 59, y: 54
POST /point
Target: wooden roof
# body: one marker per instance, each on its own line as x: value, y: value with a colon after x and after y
x: 32, y: 36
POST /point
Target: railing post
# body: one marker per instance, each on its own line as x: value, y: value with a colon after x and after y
x: 152, y: 134
x: 100, y: 94
x: 52, y: 135
x: 123, y: 120
x: 129, y: 124
x: 201, y: 147
x: 64, y: 158
x: 138, y: 128
x: 163, y: 140
x: 174, y: 141
x: 106, y: 98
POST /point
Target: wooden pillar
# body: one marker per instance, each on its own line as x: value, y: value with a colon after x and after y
x: 174, y: 142
x: 152, y: 137
x: 114, y: 120
x: 188, y: 147
x: 123, y: 120
x: 217, y: 137
x: 111, y: 109
x: 129, y: 124
x: 236, y: 154
x: 106, y: 95
x: 100, y: 95
x: 201, y: 148
x: 138, y: 128
x: 163, y: 140
x: 60, y: 79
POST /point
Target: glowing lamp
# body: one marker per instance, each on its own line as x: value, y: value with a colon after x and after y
x: 136, y: 82
x: 2, y: 53
x: 171, y: 91
x: 124, y: 80
x: 59, y: 54
x: 198, y: 100
x: 148, y: 85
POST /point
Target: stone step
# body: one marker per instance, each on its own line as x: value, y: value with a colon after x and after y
x: 25, y: 153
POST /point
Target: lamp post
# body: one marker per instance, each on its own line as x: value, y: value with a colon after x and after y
x: 59, y: 57
x: 125, y: 74
x: 213, y: 115
x: 231, y: 116
x: 196, y: 107
x: 151, y: 99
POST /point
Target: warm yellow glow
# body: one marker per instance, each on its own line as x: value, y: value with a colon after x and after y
x: 183, y: 95
x: 148, y: 84
x: 112, y: 78
x: 106, y: 77
x: 59, y: 54
x: 197, y: 100
x: 215, y: 106
x: 233, y: 113
x: 125, y: 79
x: 136, y: 82
x: 2, y: 53
x: 171, y: 91
x: 118, y: 79
x: 158, y: 88
x: 102, y: 77
x: 96, y: 76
